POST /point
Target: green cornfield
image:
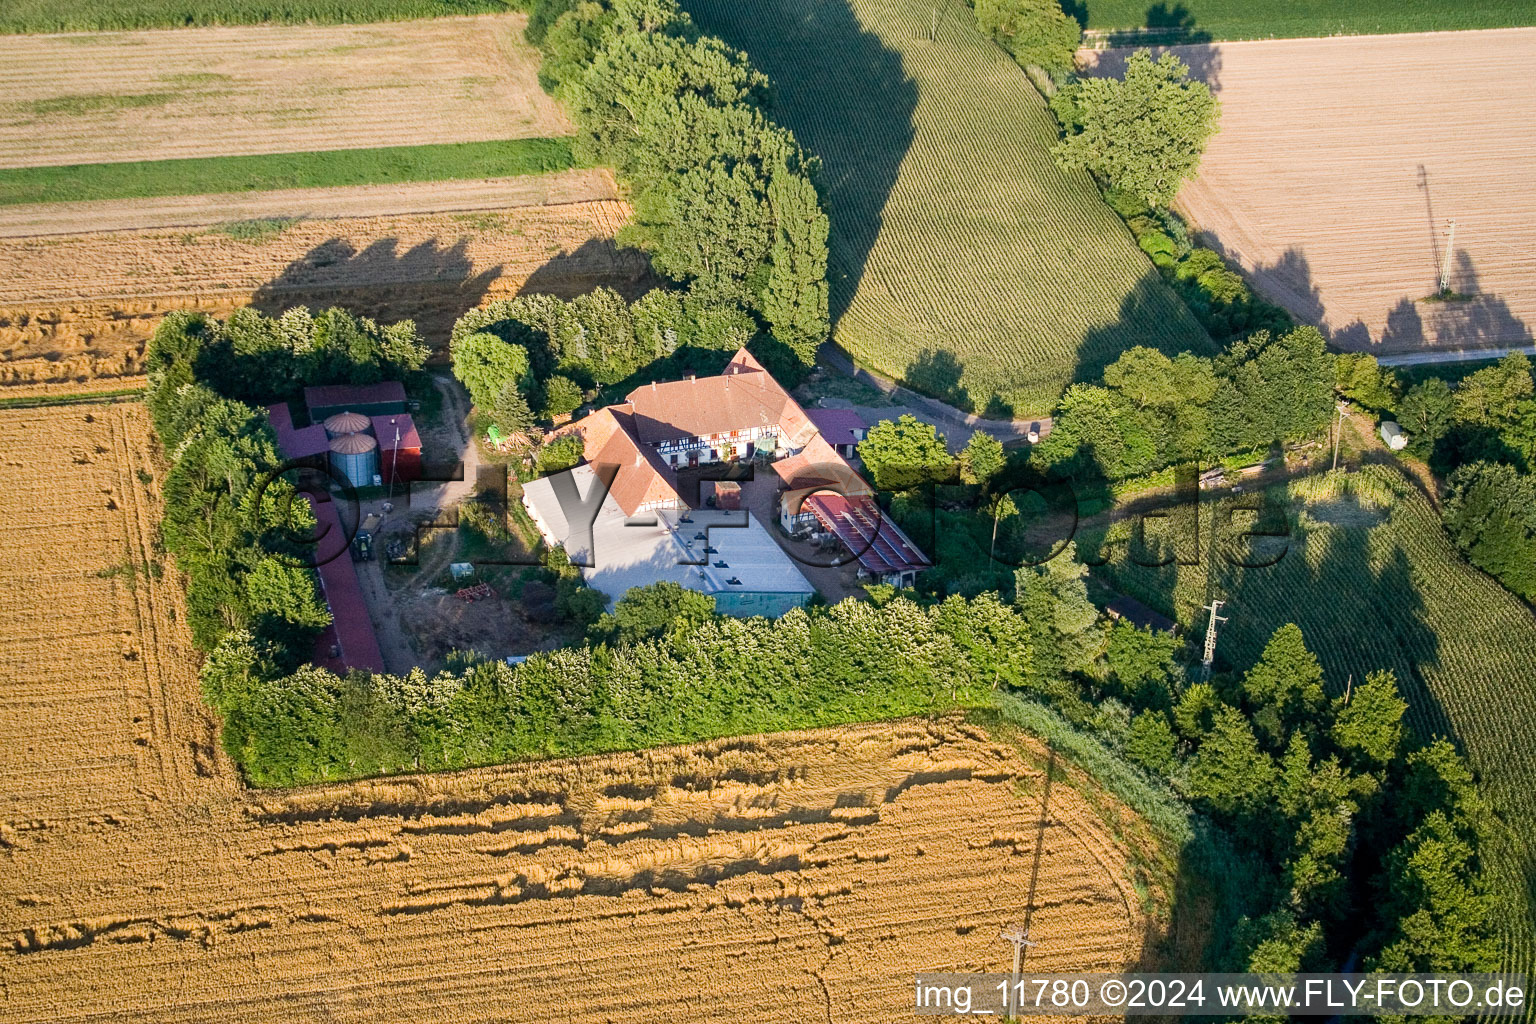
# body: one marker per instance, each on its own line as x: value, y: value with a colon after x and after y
x: 98, y: 16
x: 1202, y: 20
x: 963, y: 260
x: 1374, y: 583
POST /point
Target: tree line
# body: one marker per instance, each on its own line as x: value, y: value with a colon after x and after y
x: 725, y: 200
x: 1151, y: 411
x: 537, y: 358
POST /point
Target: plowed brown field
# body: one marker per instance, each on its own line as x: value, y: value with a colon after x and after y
x: 82, y: 305
x: 1339, y: 163
x: 798, y: 877
x: 163, y: 94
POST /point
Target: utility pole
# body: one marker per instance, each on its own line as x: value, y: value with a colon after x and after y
x: 394, y: 466
x: 1445, y: 264
x: 1339, y: 430
x: 1210, y: 635
x: 1019, y: 936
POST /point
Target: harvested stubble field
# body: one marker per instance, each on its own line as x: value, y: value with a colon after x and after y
x: 1336, y: 200
x: 787, y: 878
x: 963, y: 260
x: 82, y: 305
x: 101, y: 725
x: 162, y: 94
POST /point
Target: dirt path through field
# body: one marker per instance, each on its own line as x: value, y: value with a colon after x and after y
x: 1340, y: 163
x: 577, y: 186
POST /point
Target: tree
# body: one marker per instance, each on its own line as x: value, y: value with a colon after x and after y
x: 1274, y: 388
x: 562, y: 396
x: 1145, y: 376
x: 1063, y: 622
x: 1151, y: 743
x: 981, y: 459
x: 1037, y: 32
x: 1285, y: 686
x: 1369, y: 725
x: 561, y: 453
x: 486, y: 366
x: 1142, y: 663
x: 1229, y: 773
x: 655, y: 610
x: 794, y: 296
x: 905, y: 453
x: 1142, y: 135
x: 1427, y: 412
x: 510, y: 412
x: 1490, y: 512
x: 1436, y: 898
x: 1361, y: 378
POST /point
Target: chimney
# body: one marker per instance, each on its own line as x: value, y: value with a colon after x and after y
x: 691, y: 375
x: 653, y: 385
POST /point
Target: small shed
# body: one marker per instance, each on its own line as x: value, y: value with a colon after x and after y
x: 399, y: 448
x: 843, y: 429
x: 726, y: 494
x: 379, y: 399
x: 1393, y: 435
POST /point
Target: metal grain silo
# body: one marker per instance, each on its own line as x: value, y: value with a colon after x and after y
x: 356, y: 457
x: 344, y: 423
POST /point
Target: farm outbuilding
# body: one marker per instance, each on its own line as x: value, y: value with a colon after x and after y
x: 356, y: 457
x: 304, y: 444
x: 379, y: 399
x: 1393, y: 435
x: 399, y: 448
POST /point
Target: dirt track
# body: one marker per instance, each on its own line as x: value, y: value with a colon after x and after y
x: 1340, y: 161
x: 792, y: 878
x: 83, y: 305
x: 38, y: 219
x: 170, y: 93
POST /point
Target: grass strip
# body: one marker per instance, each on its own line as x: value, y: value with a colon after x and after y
x: 325, y: 169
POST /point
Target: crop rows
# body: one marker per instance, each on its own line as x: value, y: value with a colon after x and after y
x: 1243, y: 19
x: 1376, y: 585
x: 953, y: 231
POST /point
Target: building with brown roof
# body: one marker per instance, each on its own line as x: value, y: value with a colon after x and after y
x: 741, y: 414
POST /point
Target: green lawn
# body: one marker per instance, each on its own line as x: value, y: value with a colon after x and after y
x: 98, y: 15
x: 963, y: 260
x: 203, y: 175
x: 1200, y: 20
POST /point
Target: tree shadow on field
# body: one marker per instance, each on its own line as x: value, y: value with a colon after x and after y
x: 431, y: 283
x: 1147, y: 307
x: 1194, y: 49
x: 595, y: 263
x: 848, y: 100
x: 937, y: 372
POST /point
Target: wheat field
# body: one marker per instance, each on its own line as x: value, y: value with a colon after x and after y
x: 802, y: 876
